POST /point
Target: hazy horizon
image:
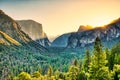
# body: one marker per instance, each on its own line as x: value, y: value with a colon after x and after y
x: 63, y: 16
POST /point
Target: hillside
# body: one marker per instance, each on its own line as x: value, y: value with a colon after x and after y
x: 7, y: 40
x: 11, y: 28
x: 17, y: 49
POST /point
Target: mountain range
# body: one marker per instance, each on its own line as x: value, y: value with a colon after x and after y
x: 86, y: 35
x: 19, y: 32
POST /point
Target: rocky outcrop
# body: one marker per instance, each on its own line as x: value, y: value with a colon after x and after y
x: 84, y: 28
x: 35, y: 31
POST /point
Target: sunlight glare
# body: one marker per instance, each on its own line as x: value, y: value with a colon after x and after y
x: 100, y: 21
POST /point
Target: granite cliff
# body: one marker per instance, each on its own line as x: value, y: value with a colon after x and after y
x: 35, y: 31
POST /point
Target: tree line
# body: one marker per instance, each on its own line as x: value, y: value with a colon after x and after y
x: 97, y: 65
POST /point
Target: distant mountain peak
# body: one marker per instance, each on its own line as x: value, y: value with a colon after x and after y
x: 1, y: 12
x: 84, y: 28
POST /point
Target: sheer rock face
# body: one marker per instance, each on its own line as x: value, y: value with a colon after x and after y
x: 35, y: 31
x: 61, y: 41
x: 84, y: 37
x: 12, y: 28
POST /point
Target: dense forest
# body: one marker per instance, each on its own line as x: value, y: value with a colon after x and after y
x: 83, y: 58
x: 97, y: 64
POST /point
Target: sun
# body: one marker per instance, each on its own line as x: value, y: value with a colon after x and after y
x: 100, y: 21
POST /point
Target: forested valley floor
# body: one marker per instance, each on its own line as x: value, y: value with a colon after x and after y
x: 97, y: 64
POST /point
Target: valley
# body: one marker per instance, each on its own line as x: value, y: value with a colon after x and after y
x: 27, y: 54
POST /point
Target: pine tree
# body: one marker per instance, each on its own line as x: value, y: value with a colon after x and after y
x: 50, y: 71
x: 87, y: 61
x: 57, y: 73
x: 75, y: 63
x: 80, y: 65
x: 73, y: 72
x: 98, y: 62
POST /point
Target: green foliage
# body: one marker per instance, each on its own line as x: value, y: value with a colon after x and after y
x: 36, y: 74
x: 75, y: 63
x: 73, y: 72
x: 116, y: 70
x: 24, y: 76
x: 114, y: 56
x: 98, y: 62
x: 50, y: 71
x: 82, y: 76
x: 14, y: 59
x: 103, y: 73
x: 101, y: 65
x: 87, y: 61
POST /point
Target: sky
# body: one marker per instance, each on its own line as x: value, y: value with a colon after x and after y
x: 62, y: 16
